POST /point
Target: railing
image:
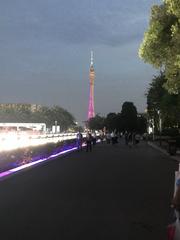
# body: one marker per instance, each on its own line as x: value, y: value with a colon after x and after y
x: 10, y: 141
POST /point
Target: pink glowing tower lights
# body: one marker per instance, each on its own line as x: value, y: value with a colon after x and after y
x: 91, y: 112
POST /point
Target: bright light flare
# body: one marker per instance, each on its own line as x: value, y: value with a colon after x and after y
x: 12, y: 141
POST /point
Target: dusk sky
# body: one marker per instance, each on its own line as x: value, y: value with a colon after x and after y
x: 45, y: 53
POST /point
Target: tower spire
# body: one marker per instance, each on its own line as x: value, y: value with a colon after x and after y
x: 91, y: 112
x: 92, y: 58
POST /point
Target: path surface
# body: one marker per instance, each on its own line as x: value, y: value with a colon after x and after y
x: 111, y: 193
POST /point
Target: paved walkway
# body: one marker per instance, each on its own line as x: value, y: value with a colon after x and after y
x: 113, y: 192
x: 162, y: 149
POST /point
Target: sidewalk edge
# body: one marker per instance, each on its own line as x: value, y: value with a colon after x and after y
x: 176, y: 158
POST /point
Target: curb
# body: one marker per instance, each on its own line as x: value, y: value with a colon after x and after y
x: 176, y: 158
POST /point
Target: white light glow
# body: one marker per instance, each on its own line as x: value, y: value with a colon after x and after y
x: 11, y: 141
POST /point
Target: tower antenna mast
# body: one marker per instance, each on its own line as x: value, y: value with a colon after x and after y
x: 91, y: 112
x: 92, y: 58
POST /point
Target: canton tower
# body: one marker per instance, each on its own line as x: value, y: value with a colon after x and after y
x: 91, y: 112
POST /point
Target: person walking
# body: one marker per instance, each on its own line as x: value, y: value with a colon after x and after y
x: 88, y: 142
x: 101, y: 136
x: 137, y: 138
x: 115, y: 137
x: 112, y: 138
x: 176, y: 199
x: 94, y: 138
x: 126, y: 138
x: 108, y: 137
x: 79, y: 141
x: 130, y: 140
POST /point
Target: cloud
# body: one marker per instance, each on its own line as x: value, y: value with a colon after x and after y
x: 73, y: 22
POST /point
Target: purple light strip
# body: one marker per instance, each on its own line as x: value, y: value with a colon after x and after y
x: 13, y: 170
x: 26, y: 165
x: 3, y: 174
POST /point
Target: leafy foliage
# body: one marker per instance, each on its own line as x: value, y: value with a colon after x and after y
x: 96, y: 123
x: 46, y: 115
x: 161, y: 46
x: 141, y: 124
x: 112, y: 121
x: 129, y: 116
x: 127, y: 120
x: 155, y: 94
x: 161, y: 104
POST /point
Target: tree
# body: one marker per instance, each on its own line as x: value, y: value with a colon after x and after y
x: 129, y: 116
x: 55, y: 113
x: 111, y: 121
x: 141, y: 124
x: 46, y: 115
x: 161, y: 46
x: 96, y: 123
x: 154, y: 97
x: 159, y: 101
x: 170, y: 110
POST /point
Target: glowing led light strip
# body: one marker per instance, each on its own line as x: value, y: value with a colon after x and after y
x: 13, y: 170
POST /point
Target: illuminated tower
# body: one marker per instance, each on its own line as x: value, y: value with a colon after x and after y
x: 91, y: 112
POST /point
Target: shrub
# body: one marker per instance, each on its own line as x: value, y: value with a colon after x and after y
x: 172, y: 132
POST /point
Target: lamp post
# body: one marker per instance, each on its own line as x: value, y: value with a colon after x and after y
x: 55, y: 126
x: 160, y: 125
x: 153, y: 128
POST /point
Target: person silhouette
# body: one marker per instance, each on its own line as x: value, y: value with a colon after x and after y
x: 79, y: 140
x: 176, y: 199
x: 88, y: 142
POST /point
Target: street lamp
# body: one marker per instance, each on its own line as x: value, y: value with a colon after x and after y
x: 153, y: 128
x: 55, y: 126
x: 160, y: 125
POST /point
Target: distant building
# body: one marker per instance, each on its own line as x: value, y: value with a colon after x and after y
x: 8, y: 123
x: 36, y: 127
x: 27, y: 106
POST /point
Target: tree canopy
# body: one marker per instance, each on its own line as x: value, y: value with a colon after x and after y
x: 161, y: 46
x: 127, y: 120
x: 96, y: 123
x: 160, y: 101
x: 155, y: 94
x: 44, y: 114
x: 129, y: 116
x: 112, y: 121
